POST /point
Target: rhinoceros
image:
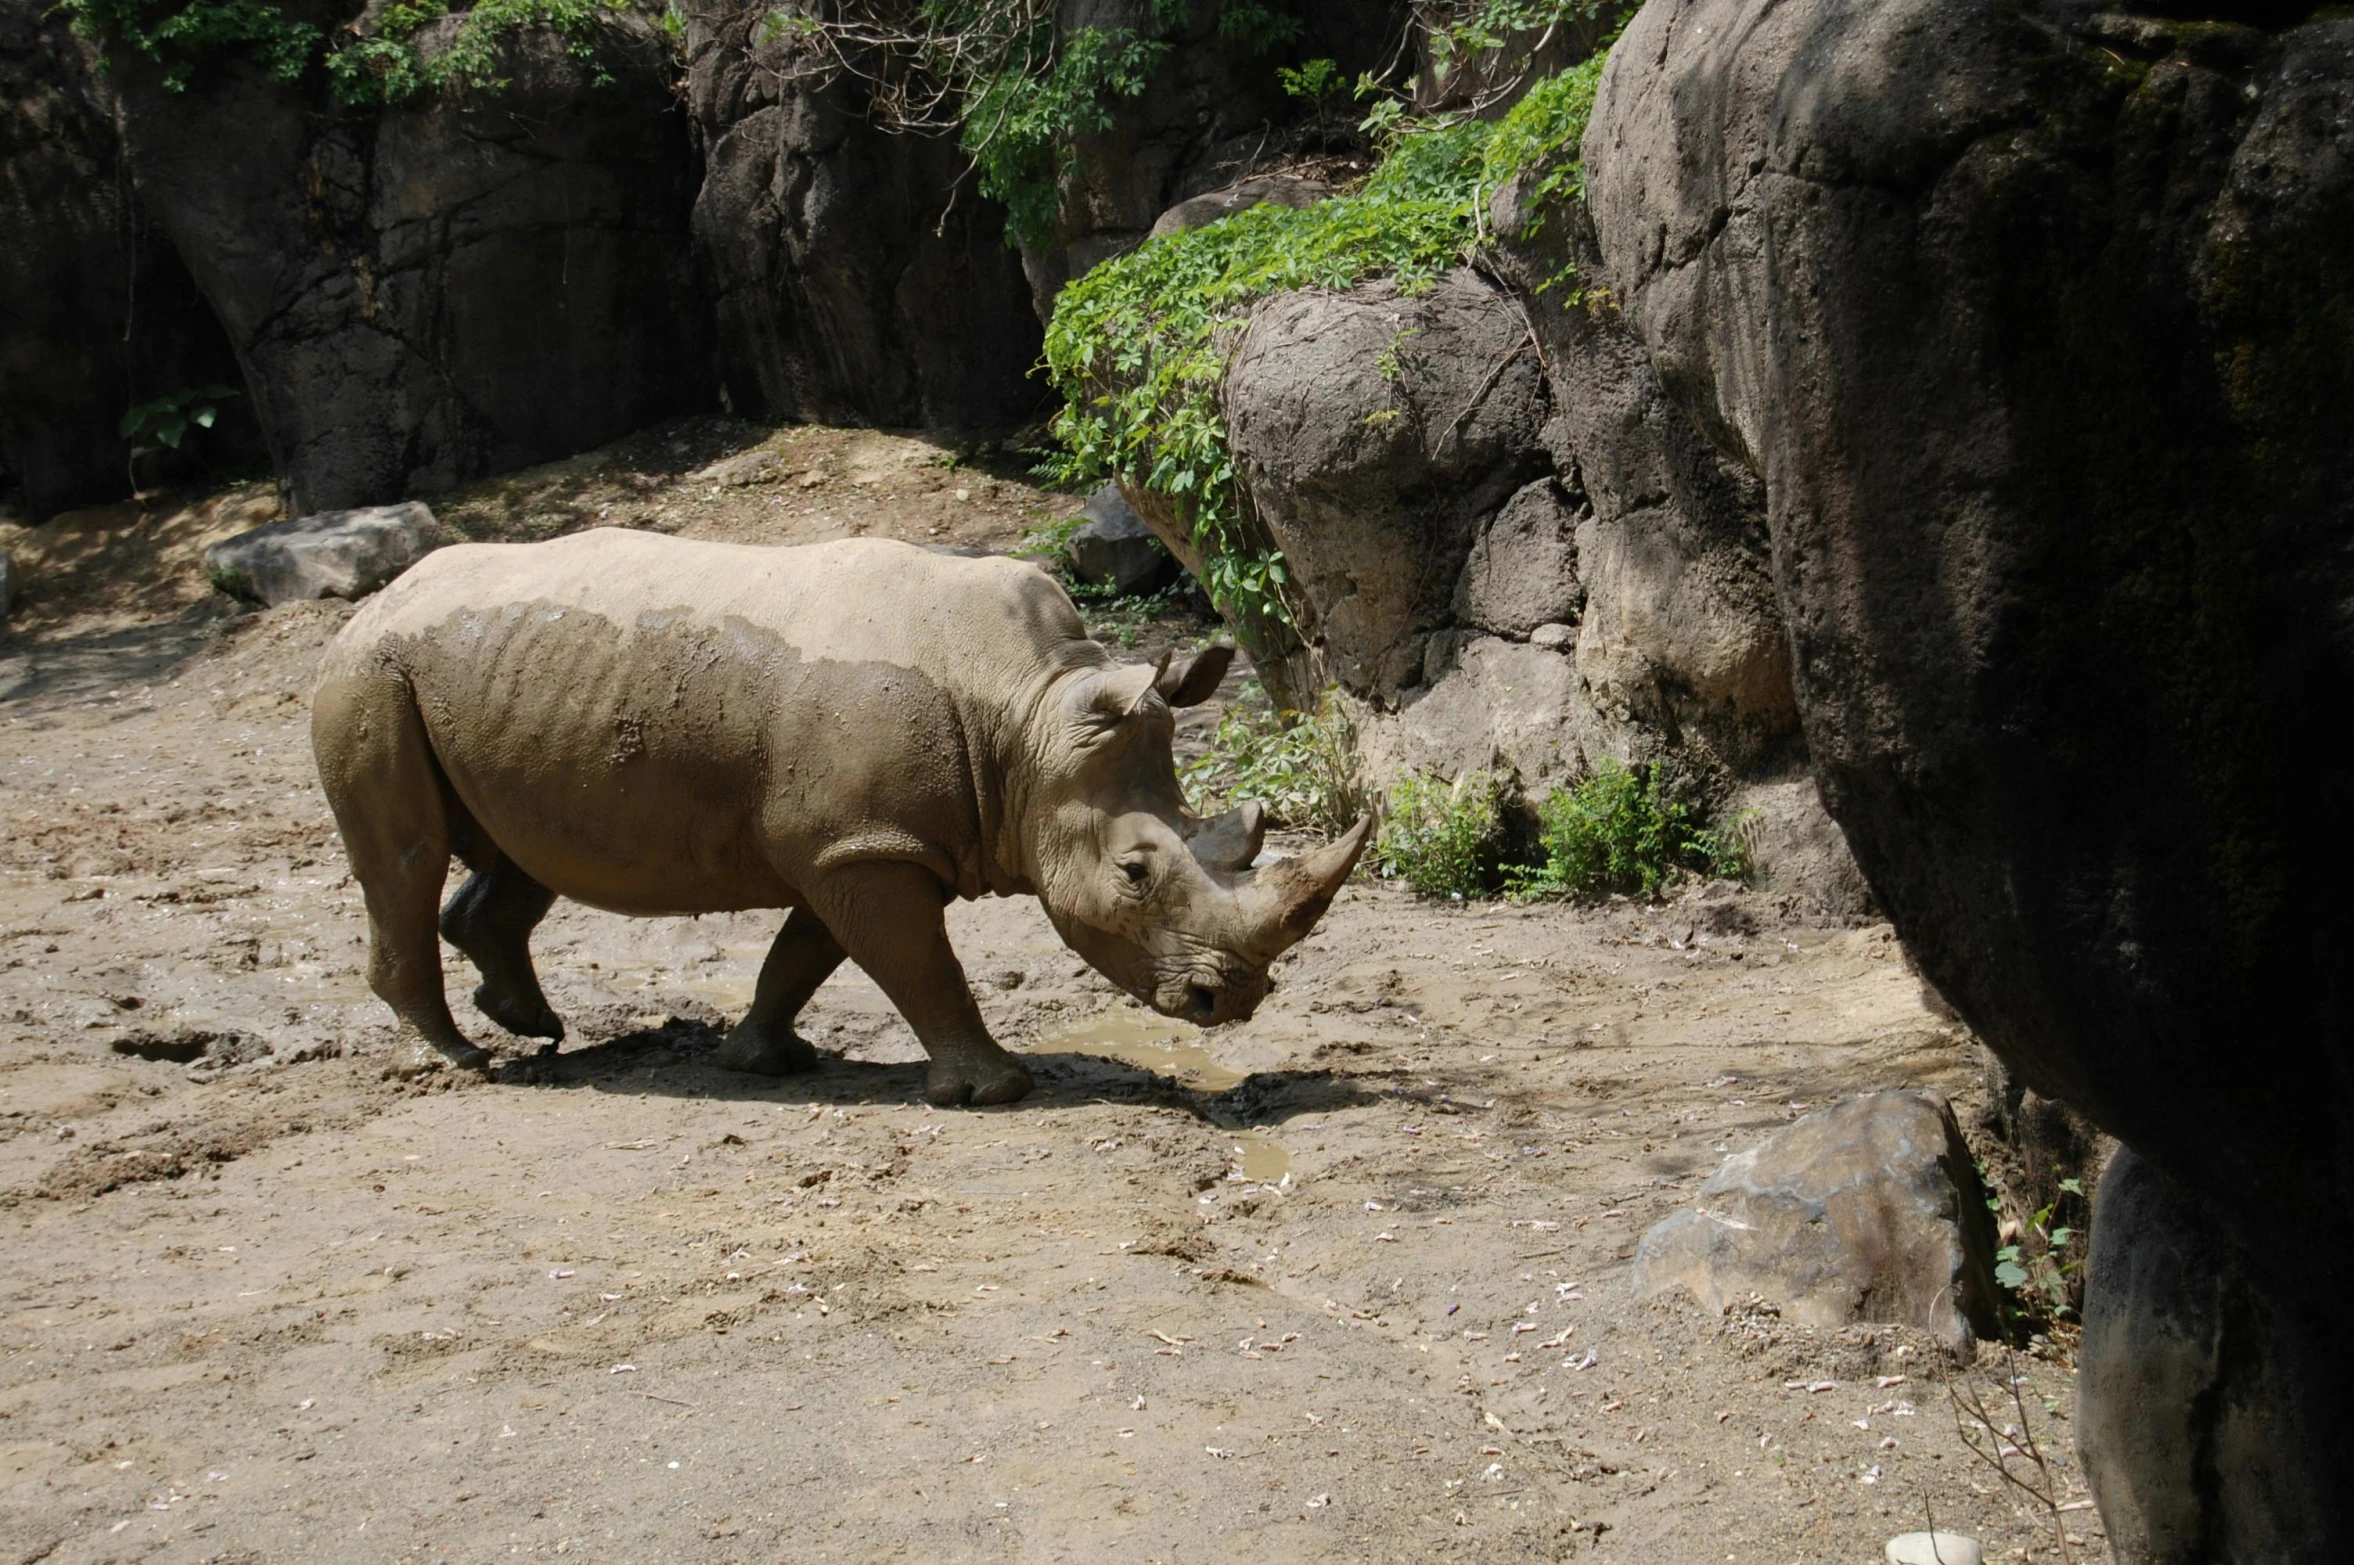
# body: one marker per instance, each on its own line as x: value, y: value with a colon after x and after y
x: 857, y: 732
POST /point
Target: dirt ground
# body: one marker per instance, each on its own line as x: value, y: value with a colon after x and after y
x: 1345, y: 1282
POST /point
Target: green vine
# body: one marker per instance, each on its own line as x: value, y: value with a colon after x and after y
x: 1138, y: 346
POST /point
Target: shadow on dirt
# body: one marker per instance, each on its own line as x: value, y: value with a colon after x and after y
x: 39, y: 671
x: 672, y: 1061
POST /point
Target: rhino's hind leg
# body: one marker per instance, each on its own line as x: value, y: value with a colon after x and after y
x: 386, y: 791
x: 491, y: 919
x: 887, y: 916
x: 804, y: 956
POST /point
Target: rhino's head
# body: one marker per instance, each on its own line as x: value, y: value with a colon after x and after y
x: 1164, y: 905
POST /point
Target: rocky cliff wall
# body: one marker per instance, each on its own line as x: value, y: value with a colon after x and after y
x: 2036, y: 324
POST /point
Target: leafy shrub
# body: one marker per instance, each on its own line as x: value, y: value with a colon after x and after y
x: 382, y: 66
x: 1445, y: 839
x: 1020, y: 123
x: 168, y: 418
x: 1621, y: 831
x: 1135, y: 346
x: 1301, y: 767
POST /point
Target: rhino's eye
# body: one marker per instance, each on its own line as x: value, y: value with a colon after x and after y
x: 1135, y: 870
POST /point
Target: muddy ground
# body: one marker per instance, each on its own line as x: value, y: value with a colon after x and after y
x: 1346, y: 1282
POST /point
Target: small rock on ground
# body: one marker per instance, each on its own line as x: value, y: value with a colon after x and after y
x: 1934, y: 1548
x: 335, y: 554
x: 1115, y: 548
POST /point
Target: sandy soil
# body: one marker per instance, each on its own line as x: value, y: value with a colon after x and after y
x: 1309, y: 1288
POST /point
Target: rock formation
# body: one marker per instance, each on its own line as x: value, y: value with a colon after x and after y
x: 466, y: 283
x: 97, y: 314
x: 854, y: 275
x: 2033, y: 323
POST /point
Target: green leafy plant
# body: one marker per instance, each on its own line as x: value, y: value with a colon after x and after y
x: 386, y: 67
x: 1020, y: 123
x: 1300, y: 767
x: 166, y: 420
x: 1620, y: 830
x: 1135, y: 345
x: 381, y: 65
x: 1138, y: 346
x: 2040, y: 1275
x: 179, y: 35
x: 1445, y: 839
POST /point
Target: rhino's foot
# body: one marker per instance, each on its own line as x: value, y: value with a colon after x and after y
x: 427, y: 1058
x: 764, y: 1051
x: 977, y: 1078
x: 524, y: 1015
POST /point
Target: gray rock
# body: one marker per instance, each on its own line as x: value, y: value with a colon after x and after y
x: 1933, y: 1548
x: 1796, y: 851
x: 760, y: 465
x: 1114, y: 547
x: 1869, y: 1210
x: 336, y: 554
x: 2206, y: 1418
x: 1483, y: 701
x: 1287, y: 190
x: 2076, y: 762
x: 463, y: 284
x: 1554, y: 638
x: 1377, y: 434
x: 853, y: 281
x: 1523, y: 571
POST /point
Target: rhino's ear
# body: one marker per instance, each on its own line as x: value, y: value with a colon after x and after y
x: 1114, y: 696
x: 1230, y: 841
x: 1193, y: 679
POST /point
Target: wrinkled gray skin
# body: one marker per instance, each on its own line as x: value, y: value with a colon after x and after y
x: 856, y: 731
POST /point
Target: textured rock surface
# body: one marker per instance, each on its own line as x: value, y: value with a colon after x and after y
x: 452, y: 288
x: 1682, y: 645
x: 1523, y: 567
x: 1377, y: 433
x: 2206, y: 1430
x: 1868, y: 1210
x: 2034, y: 323
x: 1281, y: 189
x: 336, y: 554
x: 1114, y: 548
x: 96, y: 312
x: 853, y: 280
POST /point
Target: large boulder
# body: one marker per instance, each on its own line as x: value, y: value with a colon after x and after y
x: 2036, y: 323
x: 1114, y: 548
x: 336, y: 554
x: 855, y: 280
x: 97, y: 315
x: 1377, y: 434
x: 1869, y: 1210
x: 2207, y: 1432
x: 470, y: 282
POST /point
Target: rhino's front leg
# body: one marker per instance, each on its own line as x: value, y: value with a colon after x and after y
x: 804, y: 956
x: 888, y: 917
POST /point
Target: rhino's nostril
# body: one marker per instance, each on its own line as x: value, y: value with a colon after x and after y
x: 1205, y: 1001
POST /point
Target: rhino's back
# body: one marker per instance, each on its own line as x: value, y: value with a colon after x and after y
x: 854, y: 599
x: 657, y: 724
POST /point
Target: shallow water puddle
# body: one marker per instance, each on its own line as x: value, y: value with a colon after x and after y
x: 1154, y: 1043
x: 1262, y: 1159
x: 1174, y: 1050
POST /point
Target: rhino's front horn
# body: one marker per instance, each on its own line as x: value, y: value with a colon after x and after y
x: 1287, y: 897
